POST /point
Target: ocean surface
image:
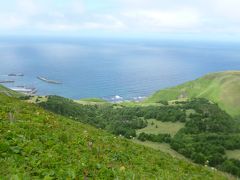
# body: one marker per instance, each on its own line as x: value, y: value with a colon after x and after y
x: 109, y: 68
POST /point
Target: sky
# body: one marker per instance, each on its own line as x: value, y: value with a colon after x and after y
x: 203, y: 18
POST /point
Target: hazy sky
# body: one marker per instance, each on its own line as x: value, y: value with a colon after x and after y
x: 120, y: 17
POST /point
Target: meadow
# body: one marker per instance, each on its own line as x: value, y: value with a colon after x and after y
x: 156, y: 127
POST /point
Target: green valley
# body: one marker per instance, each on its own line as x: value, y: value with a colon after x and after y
x: 36, y: 144
x: 197, y: 129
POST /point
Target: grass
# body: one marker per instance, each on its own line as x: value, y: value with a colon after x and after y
x: 141, y: 104
x: 37, y: 99
x: 165, y: 128
x: 36, y: 144
x: 91, y: 101
x: 94, y: 100
x: 156, y: 127
x: 222, y: 88
x: 235, y: 154
x: 163, y: 147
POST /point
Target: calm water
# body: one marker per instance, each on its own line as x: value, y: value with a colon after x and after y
x: 106, y: 68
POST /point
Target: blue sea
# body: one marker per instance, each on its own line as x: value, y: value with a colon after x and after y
x: 112, y: 69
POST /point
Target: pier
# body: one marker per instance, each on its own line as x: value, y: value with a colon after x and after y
x: 48, y: 81
x: 16, y: 74
x: 7, y: 81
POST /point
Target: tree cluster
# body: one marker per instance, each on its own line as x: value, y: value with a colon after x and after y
x: 161, y: 138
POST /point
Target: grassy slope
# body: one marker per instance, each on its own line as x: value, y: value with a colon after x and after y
x: 37, y: 144
x: 163, y: 147
x: 9, y: 92
x: 222, y: 88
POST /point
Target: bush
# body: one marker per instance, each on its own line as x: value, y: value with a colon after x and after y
x: 161, y: 138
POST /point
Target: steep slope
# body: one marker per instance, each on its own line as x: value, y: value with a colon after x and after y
x: 222, y: 88
x: 38, y: 144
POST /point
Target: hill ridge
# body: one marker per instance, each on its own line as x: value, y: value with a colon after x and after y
x: 220, y: 87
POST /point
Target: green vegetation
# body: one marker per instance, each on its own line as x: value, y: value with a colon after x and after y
x: 163, y: 147
x: 159, y: 127
x: 161, y: 138
x: 117, y: 119
x: 207, y: 134
x: 9, y: 92
x: 35, y: 99
x: 222, y: 88
x: 156, y: 127
x: 176, y: 120
x: 91, y: 101
x: 98, y: 100
x: 36, y: 144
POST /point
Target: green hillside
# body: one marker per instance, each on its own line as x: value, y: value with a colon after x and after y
x: 9, y: 92
x: 222, y: 88
x: 36, y: 144
x: 196, y: 128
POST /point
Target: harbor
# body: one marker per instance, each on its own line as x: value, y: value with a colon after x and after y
x: 25, y: 90
x: 13, y: 79
x: 15, y: 82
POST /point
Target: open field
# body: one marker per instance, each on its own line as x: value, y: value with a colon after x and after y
x: 156, y: 127
x: 235, y: 154
x: 91, y: 101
